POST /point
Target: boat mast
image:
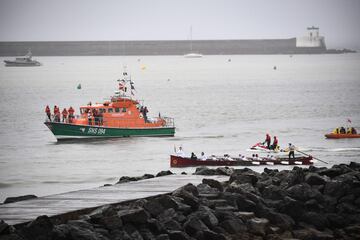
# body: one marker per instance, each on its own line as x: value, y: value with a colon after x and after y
x: 191, y: 48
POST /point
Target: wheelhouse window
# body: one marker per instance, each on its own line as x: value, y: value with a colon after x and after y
x: 117, y: 110
x: 102, y: 110
x: 84, y: 110
x: 110, y: 110
x: 124, y: 110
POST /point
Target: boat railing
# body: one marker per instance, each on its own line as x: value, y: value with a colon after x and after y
x: 169, y: 122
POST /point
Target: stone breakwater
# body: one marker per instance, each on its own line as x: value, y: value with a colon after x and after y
x: 303, y: 203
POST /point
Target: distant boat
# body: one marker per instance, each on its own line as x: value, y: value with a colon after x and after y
x: 192, y: 54
x: 79, y: 86
x: 25, y: 61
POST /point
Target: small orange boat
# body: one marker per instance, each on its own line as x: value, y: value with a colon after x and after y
x: 341, y: 135
x: 350, y: 132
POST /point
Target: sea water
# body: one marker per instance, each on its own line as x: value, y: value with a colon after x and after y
x: 221, y: 104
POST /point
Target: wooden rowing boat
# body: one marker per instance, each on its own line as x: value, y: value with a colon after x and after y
x: 179, y: 161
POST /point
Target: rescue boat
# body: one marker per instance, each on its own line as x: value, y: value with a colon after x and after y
x: 350, y: 132
x: 181, y: 161
x: 121, y: 116
x: 342, y: 135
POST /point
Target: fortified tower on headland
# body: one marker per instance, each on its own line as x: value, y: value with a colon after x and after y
x: 313, y: 39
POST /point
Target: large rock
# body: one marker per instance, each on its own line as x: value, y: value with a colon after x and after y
x: 19, y: 198
x: 258, y: 226
x: 353, y: 231
x: 273, y: 192
x: 146, y: 234
x: 226, y: 171
x: 125, y: 179
x: 172, y: 225
x: 101, y: 212
x: 245, y: 216
x: 154, y: 207
x: 194, y: 225
x: 61, y: 232
x: 336, y: 220
x: 244, y: 176
x: 136, y: 216
x: 207, y: 216
x: 245, y: 204
x: 310, y: 233
x: 133, y: 232
x: 4, y: 227
x: 167, y: 215
x: 164, y: 173
x: 84, y: 234
x: 318, y: 220
x: 355, y: 166
x: 213, y: 183
x: 315, y: 179
x: 336, y: 189
x: 233, y: 226
x: 205, y: 171
x: 178, y: 235
x: 302, y: 192
x: 239, y: 187
x: 188, y: 197
x: 297, y: 176
x: 210, y: 235
x: 163, y: 237
x: 40, y: 228
x: 111, y: 222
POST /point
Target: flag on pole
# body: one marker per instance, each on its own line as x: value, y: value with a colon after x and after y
x: 349, y: 121
x: 121, y: 86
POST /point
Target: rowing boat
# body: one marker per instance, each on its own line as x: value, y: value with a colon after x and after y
x: 179, y: 161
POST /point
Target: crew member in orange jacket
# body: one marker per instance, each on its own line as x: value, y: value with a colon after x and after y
x: 48, y: 112
x: 64, y: 114
x: 56, y: 114
x: 275, y: 143
x: 268, y: 140
x: 71, y: 114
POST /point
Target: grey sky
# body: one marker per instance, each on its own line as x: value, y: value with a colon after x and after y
x: 62, y: 20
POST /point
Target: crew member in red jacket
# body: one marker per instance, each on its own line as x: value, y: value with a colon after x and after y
x: 268, y: 140
x: 71, y: 114
x: 48, y: 112
x: 64, y: 114
x: 275, y: 143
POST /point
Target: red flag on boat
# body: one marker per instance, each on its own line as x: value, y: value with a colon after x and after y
x: 121, y: 86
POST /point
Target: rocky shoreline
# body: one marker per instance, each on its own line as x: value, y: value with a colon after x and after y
x: 302, y: 203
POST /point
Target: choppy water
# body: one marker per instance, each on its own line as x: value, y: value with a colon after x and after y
x: 219, y: 107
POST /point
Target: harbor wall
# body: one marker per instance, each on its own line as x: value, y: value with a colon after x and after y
x: 171, y: 47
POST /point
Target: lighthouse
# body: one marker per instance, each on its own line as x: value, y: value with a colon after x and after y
x: 312, y: 39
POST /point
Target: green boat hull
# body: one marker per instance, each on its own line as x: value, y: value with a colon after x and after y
x: 63, y: 131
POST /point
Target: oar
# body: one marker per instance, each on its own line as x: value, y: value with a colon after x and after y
x: 311, y: 156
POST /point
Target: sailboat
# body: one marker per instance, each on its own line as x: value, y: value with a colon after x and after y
x: 192, y: 54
